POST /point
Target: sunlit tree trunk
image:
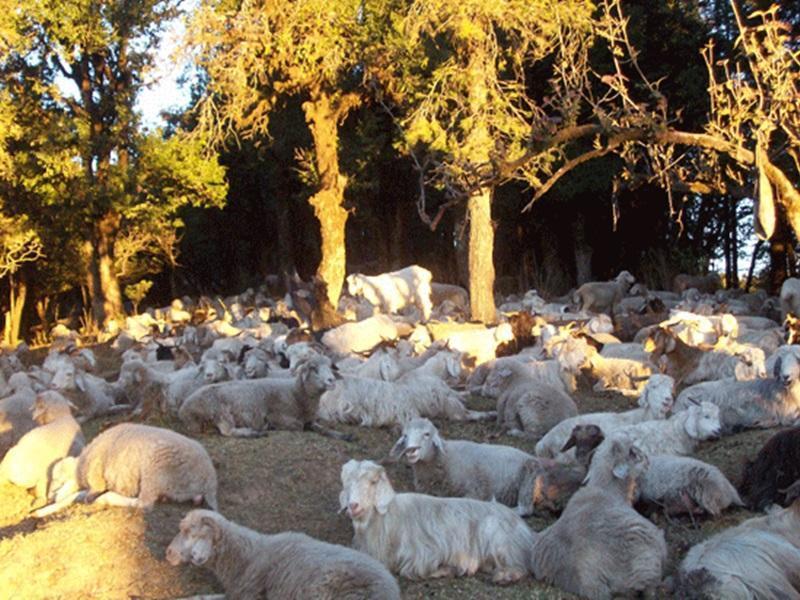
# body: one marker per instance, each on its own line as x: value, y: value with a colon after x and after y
x: 327, y: 202
x: 109, y: 282
x: 17, y: 292
x: 481, y: 264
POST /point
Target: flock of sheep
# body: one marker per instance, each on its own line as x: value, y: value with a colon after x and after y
x: 406, y: 357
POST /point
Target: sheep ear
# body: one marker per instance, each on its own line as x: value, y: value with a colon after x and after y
x: 453, y: 366
x: 342, y: 500
x: 620, y: 471
x: 213, y: 527
x: 384, y: 494
x: 384, y: 369
x: 776, y: 370
x: 690, y: 426
x: 570, y: 443
x: 80, y: 382
x: 399, y: 447
x: 437, y: 442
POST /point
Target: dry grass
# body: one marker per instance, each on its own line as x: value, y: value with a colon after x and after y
x: 281, y: 482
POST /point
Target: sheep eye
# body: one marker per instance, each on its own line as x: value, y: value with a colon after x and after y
x: 427, y: 434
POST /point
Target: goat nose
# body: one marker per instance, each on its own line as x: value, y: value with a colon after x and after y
x: 353, y: 506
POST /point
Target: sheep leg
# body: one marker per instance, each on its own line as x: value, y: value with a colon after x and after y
x: 58, y: 506
x: 227, y: 430
x: 477, y: 415
x: 506, y: 576
x: 331, y: 433
x: 115, y: 499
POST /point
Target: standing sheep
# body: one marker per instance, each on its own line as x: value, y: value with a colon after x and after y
x: 600, y: 546
x: 395, y: 290
x: 285, y: 565
x: 602, y: 296
x: 134, y: 465
x: 421, y: 536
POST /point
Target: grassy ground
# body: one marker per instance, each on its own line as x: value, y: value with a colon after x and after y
x: 286, y: 481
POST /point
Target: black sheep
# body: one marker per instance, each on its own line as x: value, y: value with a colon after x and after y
x: 776, y: 467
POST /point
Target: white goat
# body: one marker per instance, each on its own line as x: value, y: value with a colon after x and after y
x: 601, y: 296
x: 395, y: 290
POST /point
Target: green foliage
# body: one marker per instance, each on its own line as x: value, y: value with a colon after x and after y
x: 137, y: 291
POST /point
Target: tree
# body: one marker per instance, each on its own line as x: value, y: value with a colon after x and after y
x: 258, y: 53
x: 459, y: 71
x: 19, y: 244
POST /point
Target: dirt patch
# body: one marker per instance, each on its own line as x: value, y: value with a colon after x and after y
x: 285, y: 481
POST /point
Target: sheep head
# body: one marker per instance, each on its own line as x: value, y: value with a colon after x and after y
x: 49, y: 406
x: 584, y: 438
x: 200, y: 531
x: 657, y: 397
x: 419, y: 442
x: 316, y: 375
x: 702, y: 421
x: 787, y: 369
x: 365, y: 488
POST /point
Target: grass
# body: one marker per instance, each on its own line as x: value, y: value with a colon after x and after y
x: 286, y: 481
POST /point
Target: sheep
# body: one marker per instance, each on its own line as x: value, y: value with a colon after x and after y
x: 363, y: 336
x: 284, y: 565
x: 92, y: 395
x: 600, y: 546
x: 743, y: 363
x: 548, y: 484
x: 759, y: 403
x: 421, y: 536
x: 134, y: 466
x: 375, y: 403
x: 677, y: 435
x: 255, y: 363
x: 441, y: 292
x: 628, y: 377
x: 654, y: 404
x: 459, y: 467
x: 681, y: 484
x: 244, y: 408
x: 530, y: 408
x: 15, y: 412
x: 480, y: 343
x: 759, y: 558
x: 790, y: 297
x: 395, y: 290
x: 57, y: 436
x: 766, y: 478
x: 704, y: 283
x: 601, y: 296
x: 489, y: 379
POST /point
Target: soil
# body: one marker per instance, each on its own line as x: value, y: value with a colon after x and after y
x: 285, y: 481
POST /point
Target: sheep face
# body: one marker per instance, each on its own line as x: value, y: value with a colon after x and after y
x: 199, y: 532
x: 213, y: 370
x: 628, y: 462
x: 64, y: 377
x: 584, y: 438
x: 496, y: 382
x: 657, y: 396
x: 703, y: 421
x: 355, y: 284
x: 50, y: 405
x: 317, y: 375
x: 419, y: 442
x: 365, y: 488
x: 750, y: 365
x: 787, y: 369
x: 625, y: 279
x: 255, y: 364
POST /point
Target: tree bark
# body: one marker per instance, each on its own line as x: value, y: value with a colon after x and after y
x: 481, y: 254
x: 327, y: 202
x: 17, y: 293
x: 105, y: 288
x: 583, y: 251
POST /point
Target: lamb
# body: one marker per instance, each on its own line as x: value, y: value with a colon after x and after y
x: 766, y: 478
x: 395, y: 290
x: 707, y: 284
x: 421, y: 536
x: 655, y: 403
x: 285, y: 565
x: 760, y: 558
x: 686, y: 485
x: 548, y: 484
x: 790, y: 297
x: 677, y: 435
x: 600, y: 546
x: 459, y: 467
x: 134, y: 465
x: 529, y: 407
x: 363, y: 336
x: 59, y: 435
x: 601, y: 296
x: 244, y: 408
x: 759, y: 403
x: 375, y: 403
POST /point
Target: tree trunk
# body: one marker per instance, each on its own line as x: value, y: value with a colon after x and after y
x: 779, y: 246
x: 481, y: 263
x: 583, y: 251
x: 105, y: 288
x: 322, y: 119
x: 17, y: 292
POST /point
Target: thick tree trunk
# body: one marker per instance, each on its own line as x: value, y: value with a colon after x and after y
x: 104, y: 285
x: 481, y: 251
x: 17, y: 293
x: 322, y: 119
x: 583, y: 251
x: 779, y: 247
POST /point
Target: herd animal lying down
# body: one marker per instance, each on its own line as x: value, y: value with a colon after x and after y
x: 598, y: 471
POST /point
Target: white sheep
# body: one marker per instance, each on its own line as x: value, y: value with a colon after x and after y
x: 601, y: 296
x: 677, y: 435
x: 421, y: 536
x: 760, y: 558
x: 757, y: 403
x: 489, y: 379
x: 58, y: 435
x: 790, y: 297
x: 249, y: 564
x: 363, y: 336
x: 92, y: 395
x: 245, y: 408
x: 600, y: 546
x: 680, y: 484
x: 741, y: 362
x: 480, y: 343
x: 395, y: 290
x: 16, y: 418
x: 134, y: 465
x: 459, y: 467
x: 654, y: 404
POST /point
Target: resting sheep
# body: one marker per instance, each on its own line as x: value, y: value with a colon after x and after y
x: 790, y: 297
x: 28, y: 463
x: 134, y: 465
x: 600, y: 546
x: 759, y: 558
x: 776, y: 467
x: 707, y: 284
x: 655, y: 403
x: 759, y: 403
x: 363, y: 336
x: 395, y: 290
x: 284, y: 565
x: 480, y: 343
x: 245, y: 408
x: 421, y: 536
x: 601, y: 296
x: 15, y: 412
x: 459, y: 467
